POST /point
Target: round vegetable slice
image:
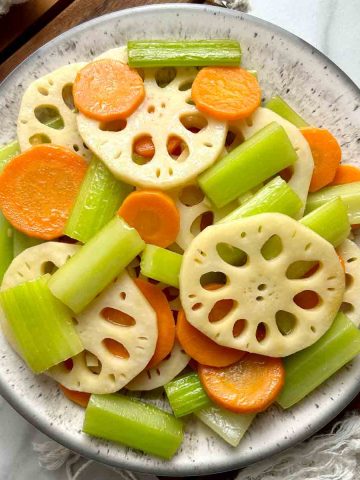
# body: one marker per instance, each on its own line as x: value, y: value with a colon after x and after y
x: 164, y: 113
x: 201, y: 348
x: 226, y: 93
x: 165, y: 371
x: 153, y: 214
x: 108, y: 90
x: 248, y: 386
x: 350, y: 253
x: 253, y: 259
x: 47, y: 113
x: 38, y: 189
x: 299, y: 177
x: 120, y: 329
x: 165, y: 320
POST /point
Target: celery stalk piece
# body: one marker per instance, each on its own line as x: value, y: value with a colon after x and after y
x: 307, y: 369
x: 260, y: 157
x: 21, y: 242
x: 41, y: 325
x: 161, y: 264
x: 230, y: 426
x: 186, y: 394
x: 183, y: 53
x: 96, y: 264
x: 330, y: 221
x: 134, y: 423
x: 99, y: 198
x: 275, y: 196
x: 349, y: 194
x: 279, y: 106
x: 7, y: 152
x: 6, y: 245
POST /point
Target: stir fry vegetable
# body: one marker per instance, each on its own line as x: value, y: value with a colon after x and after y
x: 180, y: 258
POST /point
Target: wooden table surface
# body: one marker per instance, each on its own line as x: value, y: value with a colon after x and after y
x: 29, y: 26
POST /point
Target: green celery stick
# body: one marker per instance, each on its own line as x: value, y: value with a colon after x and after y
x: 186, y: 394
x: 21, y: 242
x: 96, y: 264
x: 330, y: 221
x: 133, y: 423
x: 228, y: 425
x: 307, y: 369
x: 41, y: 325
x: 349, y: 194
x: 279, y: 106
x: 275, y: 196
x: 6, y: 245
x: 7, y: 152
x: 161, y: 264
x: 260, y: 157
x: 99, y: 198
x: 183, y: 53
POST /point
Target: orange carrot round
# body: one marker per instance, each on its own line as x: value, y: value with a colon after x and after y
x: 165, y: 320
x: 248, y: 386
x: 38, y: 189
x: 201, y: 348
x: 81, y: 398
x: 326, y: 153
x: 153, y: 214
x: 226, y: 93
x: 108, y: 90
x: 346, y: 174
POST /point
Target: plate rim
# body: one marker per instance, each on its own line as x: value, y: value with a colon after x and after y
x: 167, y: 468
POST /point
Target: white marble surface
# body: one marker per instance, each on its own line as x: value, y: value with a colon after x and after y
x: 330, y: 25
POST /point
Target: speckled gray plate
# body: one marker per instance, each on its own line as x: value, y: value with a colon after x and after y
x: 322, y: 94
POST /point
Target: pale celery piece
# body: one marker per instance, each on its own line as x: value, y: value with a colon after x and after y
x: 21, y: 242
x: 186, y: 394
x: 6, y: 245
x: 275, y: 196
x: 40, y: 324
x: 282, y: 108
x: 330, y: 221
x: 309, y: 368
x: 7, y: 152
x: 349, y: 194
x: 99, y: 198
x: 257, y: 159
x: 96, y: 264
x: 183, y: 53
x: 133, y: 423
x: 230, y: 426
x: 161, y: 264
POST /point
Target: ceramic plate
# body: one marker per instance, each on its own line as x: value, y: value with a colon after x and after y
x: 322, y: 94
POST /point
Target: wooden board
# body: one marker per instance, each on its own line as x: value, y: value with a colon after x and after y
x: 76, y: 12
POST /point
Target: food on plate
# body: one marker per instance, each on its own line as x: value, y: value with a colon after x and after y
x: 161, y: 256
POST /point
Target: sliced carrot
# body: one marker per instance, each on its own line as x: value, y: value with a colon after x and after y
x: 248, y: 386
x: 153, y: 214
x: 346, y: 174
x: 165, y: 320
x: 201, y: 348
x: 81, y: 398
x: 108, y: 90
x: 326, y: 153
x: 144, y: 146
x: 226, y: 93
x: 38, y: 189
x: 355, y: 226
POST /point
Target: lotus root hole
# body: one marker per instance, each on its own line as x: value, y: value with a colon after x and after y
x: 117, y: 317
x: 232, y: 255
x: 116, y: 348
x: 272, y: 248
